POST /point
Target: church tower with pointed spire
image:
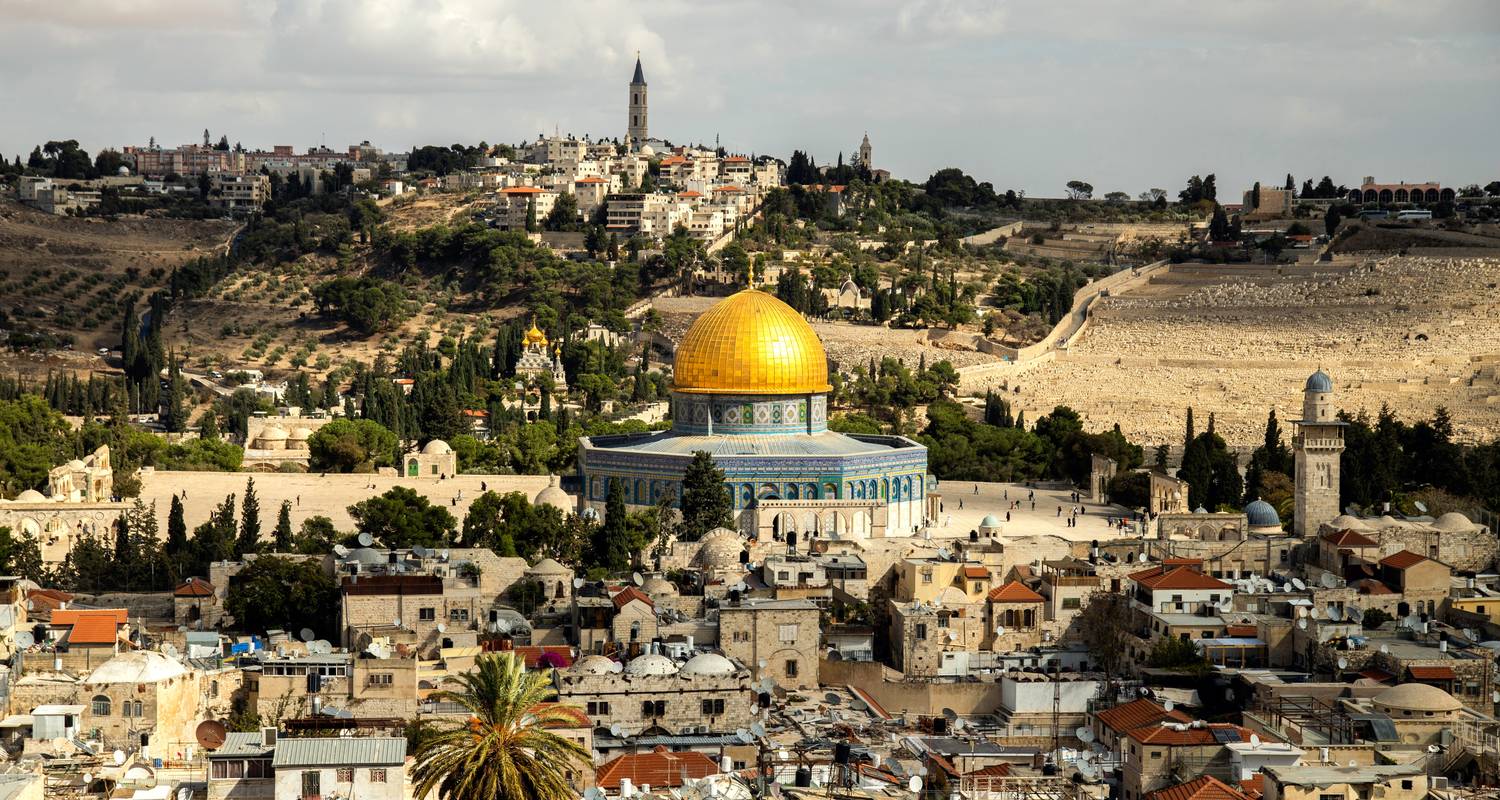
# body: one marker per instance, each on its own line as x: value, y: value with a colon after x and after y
x: 637, y: 130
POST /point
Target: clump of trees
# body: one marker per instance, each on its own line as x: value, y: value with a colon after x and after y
x: 365, y: 303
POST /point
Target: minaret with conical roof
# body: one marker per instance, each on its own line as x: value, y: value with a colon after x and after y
x: 637, y: 130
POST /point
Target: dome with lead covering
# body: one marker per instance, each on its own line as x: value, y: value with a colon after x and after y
x: 1262, y: 515
x: 651, y: 664
x: 1319, y: 382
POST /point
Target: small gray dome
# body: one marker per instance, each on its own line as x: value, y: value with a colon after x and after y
x: 1262, y: 515
x: 989, y: 521
x: 1319, y: 382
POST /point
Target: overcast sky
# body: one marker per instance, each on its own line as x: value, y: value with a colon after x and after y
x: 1023, y: 93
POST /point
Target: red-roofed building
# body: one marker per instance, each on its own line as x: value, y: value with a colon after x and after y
x: 556, y: 656
x: 40, y: 603
x: 1154, y: 754
x: 1443, y: 677
x: 517, y: 204
x: 657, y: 769
x: 1203, y: 787
x: 195, y: 603
x: 1422, y: 582
x: 1013, y: 616
x: 634, y: 620
x: 1339, y: 550
x: 91, y: 636
x: 1111, y: 724
x: 1178, y: 589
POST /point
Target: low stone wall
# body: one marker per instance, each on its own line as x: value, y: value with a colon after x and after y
x: 899, y: 696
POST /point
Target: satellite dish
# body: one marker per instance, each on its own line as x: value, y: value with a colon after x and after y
x: 1084, y: 734
x: 915, y: 784
x: 757, y: 730
x: 1297, y: 582
x: 1286, y: 587
x: 950, y: 714
x: 999, y: 630
x: 1356, y: 614
x: 307, y: 634
x: 635, y: 578
x: 1336, y: 614
x: 1144, y: 558
x: 768, y: 686
x: 578, y: 583
x: 833, y: 699
x: 1432, y: 748
x: 1343, y: 663
x: 761, y: 663
x: 1169, y: 705
x: 1087, y: 769
x: 365, y: 540
x: 441, y: 628
x: 617, y: 730
x: 210, y: 734
x: 1254, y: 740
x: 1495, y: 696
x: 1422, y: 507
x: 1329, y: 581
x: 119, y: 757
x: 24, y: 639
x: 952, y: 636
x: 744, y: 736
x: 88, y: 778
x: 169, y: 650
x: 1302, y: 623
x: 593, y: 793
x: 340, y: 550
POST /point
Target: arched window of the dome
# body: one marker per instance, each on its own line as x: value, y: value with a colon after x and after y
x: 790, y: 492
x: 830, y: 491
x: 810, y: 491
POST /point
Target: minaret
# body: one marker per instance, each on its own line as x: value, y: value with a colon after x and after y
x: 637, y: 130
x: 1317, y: 443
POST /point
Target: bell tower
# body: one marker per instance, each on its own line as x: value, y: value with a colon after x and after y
x: 1317, y: 446
x: 637, y: 130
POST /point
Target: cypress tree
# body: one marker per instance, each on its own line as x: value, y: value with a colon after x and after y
x: 284, y: 528
x: 249, y: 521
x: 176, y: 529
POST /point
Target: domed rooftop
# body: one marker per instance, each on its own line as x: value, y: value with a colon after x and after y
x: 651, y: 664
x: 1200, y: 510
x: 594, y: 665
x: 76, y: 465
x: 648, y: 150
x: 548, y: 566
x: 951, y: 594
x: 535, y: 336
x: 1417, y: 697
x: 748, y: 344
x: 553, y: 495
x: 436, y: 447
x: 365, y: 555
x: 1452, y: 521
x: 719, y: 548
x: 31, y: 496
x: 141, y: 666
x: 1262, y: 514
x: 1345, y: 522
x: 300, y: 434
x: 657, y: 586
x: 989, y: 521
x: 1319, y: 382
x: 708, y: 664
x: 272, y: 432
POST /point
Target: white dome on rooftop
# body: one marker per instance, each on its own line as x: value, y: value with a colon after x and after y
x: 31, y: 496
x: 141, y: 666
x: 594, y: 665
x: 1453, y: 521
x: 548, y: 566
x: 1345, y: 522
x: 708, y: 664
x: 657, y: 586
x: 651, y: 664
x: 436, y: 447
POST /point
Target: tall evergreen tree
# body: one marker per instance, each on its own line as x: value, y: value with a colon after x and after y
x: 611, y: 548
x: 283, y: 537
x: 1188, y: 435
x: 706, y: 503
x: 176, y: 398
x: 249, y: 538
x: 177, y: 540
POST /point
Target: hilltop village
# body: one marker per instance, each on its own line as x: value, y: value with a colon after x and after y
x: 708, y: 543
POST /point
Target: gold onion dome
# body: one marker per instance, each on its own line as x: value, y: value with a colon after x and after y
x: 535, y: 336
x: 748, y: 344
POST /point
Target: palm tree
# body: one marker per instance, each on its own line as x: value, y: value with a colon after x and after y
x: 504, y: 750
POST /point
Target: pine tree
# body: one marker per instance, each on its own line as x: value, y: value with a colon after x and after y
x: 208, y: 425
x: 611, y: 550
x: 1187, y: 437
x: 1210, y: 430
x: 284, y: 528
x: 176, y: 398
x: 249, y: 521
x: 705, y: 502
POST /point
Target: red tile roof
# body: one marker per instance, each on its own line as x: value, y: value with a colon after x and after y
x: 1255, y: 785
x: 47, y: 600
x: 591, y: 179
x: 560, y: 655
x: 91, y: 626
x: 658, y: 768
x: 992, y: 771
x: 736, y: 158
x: 1348, y: 538
x: 520, y: 190
x: 972, y: 571
x: 1432, y: 673
x: 630, y: 593
x: 1241, y: 631
x: 1402, y: 560
x: 1205, y: 787
x: 1377, y: 675
x: 690, y: 193
x: 194, y: 587
x: 729, y: 188
x: 1372, y: 586
x: 1191, y: 737
x: 1137, y: 713
x: 1176, y: 577
x: 1014, y: 592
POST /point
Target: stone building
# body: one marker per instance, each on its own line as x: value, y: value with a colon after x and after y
x: 1421, y: 714
x: 409, y: 610
x: 196, y: 604
x: 652, y: 694
x: 271, y: 441
x: 1168, y: 495
x: 1155, y: 753
x: 435, y: 460
x: 296, y: 685
x: 78, y: 500
x: 1332, y: 782
x: 368, y: 768
x: 537, y: 360
x: 1317, y: 447
x: 145, y: 692
x: 779, y: 639
x: 1013, y: 616
x: 1451, y: 538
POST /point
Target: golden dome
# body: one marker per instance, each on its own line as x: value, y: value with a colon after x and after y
x: 535, y: 336
x: 751, y: 343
